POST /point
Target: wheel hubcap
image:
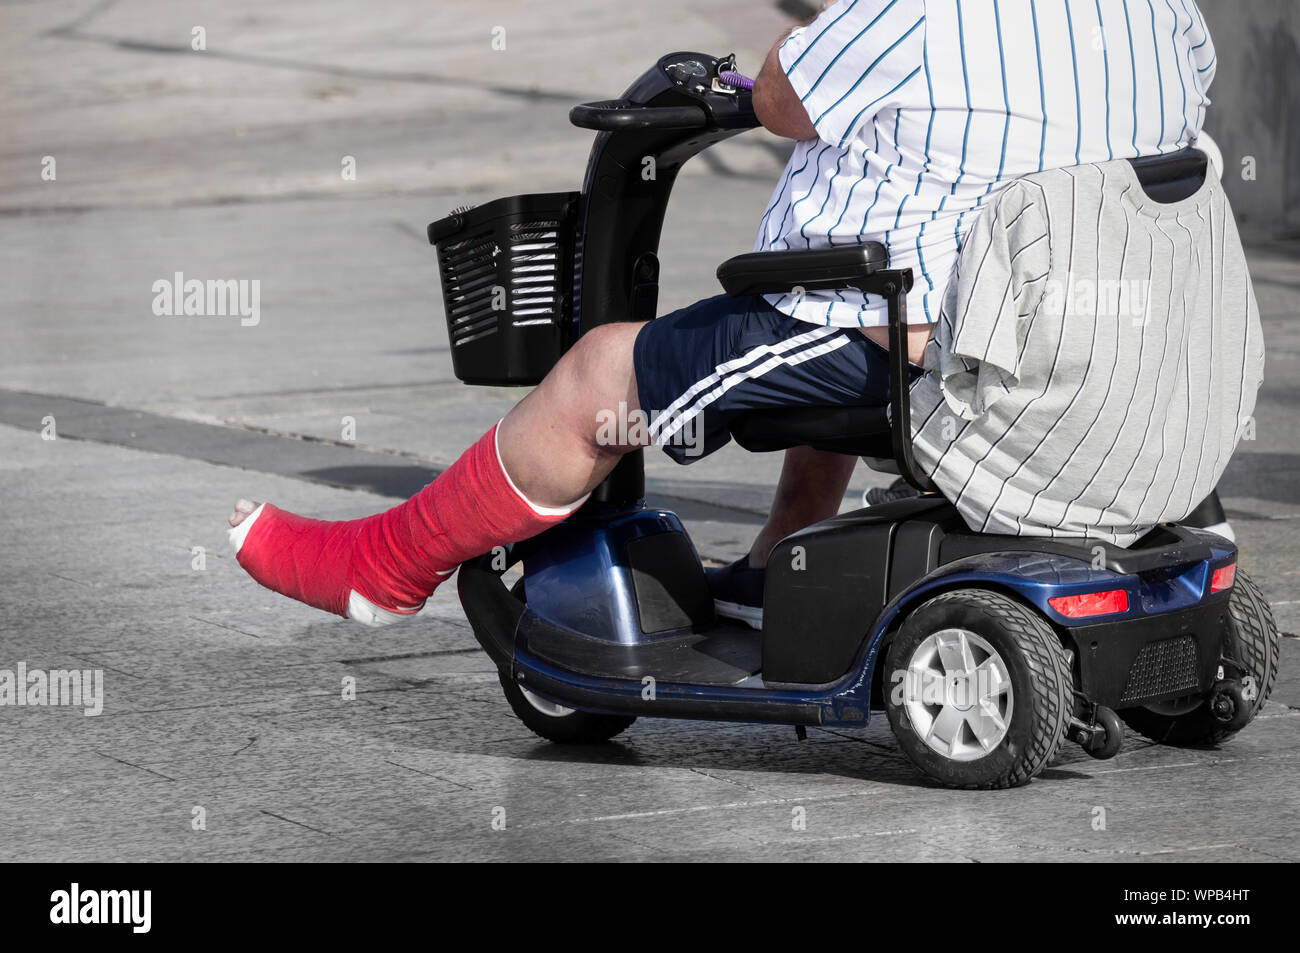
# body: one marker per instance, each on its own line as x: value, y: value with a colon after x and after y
x: 957, y: 692
x: 544, y: 706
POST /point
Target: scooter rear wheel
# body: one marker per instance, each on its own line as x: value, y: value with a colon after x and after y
x: 1254, y: 643
x: 978, y: 690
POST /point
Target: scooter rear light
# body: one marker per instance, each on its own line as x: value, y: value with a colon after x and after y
x: 1223, y: 577
x: 1091, y: 603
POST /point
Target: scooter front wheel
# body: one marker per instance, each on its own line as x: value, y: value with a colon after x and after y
x: 553, y: 721
x: 561, y: 725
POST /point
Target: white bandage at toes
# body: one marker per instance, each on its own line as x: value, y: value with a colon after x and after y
x: 239, y: 533
x: 361, y: 609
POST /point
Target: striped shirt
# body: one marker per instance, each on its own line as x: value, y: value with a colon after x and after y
x: 1097, y: 358
x: 924, y: 109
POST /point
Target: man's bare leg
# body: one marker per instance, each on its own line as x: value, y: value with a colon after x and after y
x: 811, y: 487
x: 548, y: 441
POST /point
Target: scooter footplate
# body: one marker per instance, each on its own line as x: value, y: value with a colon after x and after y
x: 727, y: 654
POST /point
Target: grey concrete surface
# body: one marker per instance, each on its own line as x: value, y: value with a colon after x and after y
x: 224, y: 163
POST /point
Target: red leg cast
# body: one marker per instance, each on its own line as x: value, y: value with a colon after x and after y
x: 383, y: 567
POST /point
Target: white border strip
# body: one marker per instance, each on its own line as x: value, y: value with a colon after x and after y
x: 728, y: 367
x: 535, y: 507
x: 773, y: 362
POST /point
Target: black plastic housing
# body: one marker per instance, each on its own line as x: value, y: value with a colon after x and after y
x: 507, y: 286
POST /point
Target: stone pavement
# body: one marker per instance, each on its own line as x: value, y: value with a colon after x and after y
x: 222, y: 697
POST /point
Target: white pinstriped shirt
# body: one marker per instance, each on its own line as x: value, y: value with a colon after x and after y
x: 924, y: 109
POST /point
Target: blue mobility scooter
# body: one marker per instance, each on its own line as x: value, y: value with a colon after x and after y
x: 986, y: 652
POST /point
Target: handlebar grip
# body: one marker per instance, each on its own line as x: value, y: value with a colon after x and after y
x: 616, y: 115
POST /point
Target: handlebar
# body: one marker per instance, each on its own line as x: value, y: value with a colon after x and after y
x: 615, y: 115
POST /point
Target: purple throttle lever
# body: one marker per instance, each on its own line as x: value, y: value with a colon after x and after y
x: 736, y: 80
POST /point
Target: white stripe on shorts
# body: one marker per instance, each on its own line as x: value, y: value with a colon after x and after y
x: 731, y: 366
x: 773, y: 362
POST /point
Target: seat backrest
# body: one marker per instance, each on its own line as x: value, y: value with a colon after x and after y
x: 1174, y: 177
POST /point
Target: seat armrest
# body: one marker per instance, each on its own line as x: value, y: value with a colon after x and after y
x: 820, y: 269
x: 865, y: 267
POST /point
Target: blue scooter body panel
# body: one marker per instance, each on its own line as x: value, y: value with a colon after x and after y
x: 1035, y: 578
x: 578, y: 575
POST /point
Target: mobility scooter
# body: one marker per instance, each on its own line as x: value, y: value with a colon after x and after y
x: 986, y: 652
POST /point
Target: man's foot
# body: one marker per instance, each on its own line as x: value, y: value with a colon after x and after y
x: 900, y: 489
x: 738, y: 592
x: 243, y: 510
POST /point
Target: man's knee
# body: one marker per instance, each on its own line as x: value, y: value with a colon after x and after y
x: 604, y: 354
x: 596, y: 384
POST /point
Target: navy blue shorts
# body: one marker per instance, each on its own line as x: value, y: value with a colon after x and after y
x: 699, y: 367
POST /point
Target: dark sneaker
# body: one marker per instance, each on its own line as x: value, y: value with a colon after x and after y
x: 738, y: 592
x: 900, y: 489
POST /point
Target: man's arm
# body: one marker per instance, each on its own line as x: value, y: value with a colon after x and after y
x: 776, y: 104
x: 780, y: 110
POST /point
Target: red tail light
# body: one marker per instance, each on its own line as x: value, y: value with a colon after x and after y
x: 1091, y: 603
x: 1223, y: 577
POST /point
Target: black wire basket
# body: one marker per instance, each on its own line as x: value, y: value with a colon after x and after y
x: 507, y: 285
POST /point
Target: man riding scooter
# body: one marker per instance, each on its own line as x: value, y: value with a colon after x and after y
x: 909, y: 117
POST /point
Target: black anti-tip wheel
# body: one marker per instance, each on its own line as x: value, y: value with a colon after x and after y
x: 978, y: 691
x: 1108, y: 736
x: 1229, y: 705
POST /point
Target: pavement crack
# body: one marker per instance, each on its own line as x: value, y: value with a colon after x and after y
x: 90, y: 659
x: 943, y: 850
x: 1266, y: 853
x: 437, y: 653
x: 429, y: 774
x: 228, y: 627
x: 75, y: 582
x: 290, y: 820
x: 1121, y: 852
x: 698, y: 808
x: 131, y: 764
x: 714, y: 777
